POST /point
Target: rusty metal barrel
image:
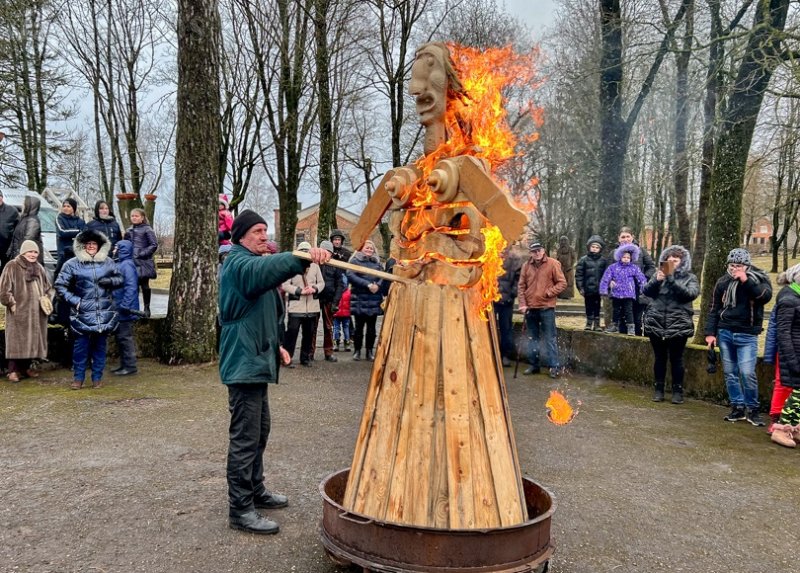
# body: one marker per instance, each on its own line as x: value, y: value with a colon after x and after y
x: 381, y: 547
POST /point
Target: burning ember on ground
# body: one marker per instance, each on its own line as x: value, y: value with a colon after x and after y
x: 559, y: 410
x: 477, y: 124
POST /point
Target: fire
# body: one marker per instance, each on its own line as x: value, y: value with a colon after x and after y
x: 559, y: 410
x: 477, y: 124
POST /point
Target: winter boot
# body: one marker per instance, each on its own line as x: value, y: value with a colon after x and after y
x: 677, y: 395
x: 370, y: 355
x: 357, y: 355
x: 773, y: 419
x: 346, y: 345
x: 596, y: 325
x: 147, y: 311
x: 783, y: 436
x: 612, y: 329
x: 658, y: 394
x: 631, y: 331
x: 337, y: 346
x: 589, y: 323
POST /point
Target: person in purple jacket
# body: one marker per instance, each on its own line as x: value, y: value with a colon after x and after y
x: 622, y: 282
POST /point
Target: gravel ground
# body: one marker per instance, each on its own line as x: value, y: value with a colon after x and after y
x: 131, y: 477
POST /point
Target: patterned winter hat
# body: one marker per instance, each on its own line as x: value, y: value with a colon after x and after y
x: 739, y: 257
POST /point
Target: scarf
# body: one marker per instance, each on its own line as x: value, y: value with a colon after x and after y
x: 729, y: 298
x: 795, y: 287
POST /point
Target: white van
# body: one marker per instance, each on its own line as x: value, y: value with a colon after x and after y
x: 47, y: 219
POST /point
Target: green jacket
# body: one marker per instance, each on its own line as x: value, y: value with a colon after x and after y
x: 251, y: 314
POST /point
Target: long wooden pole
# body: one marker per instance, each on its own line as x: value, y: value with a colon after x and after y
x: 358, y: 269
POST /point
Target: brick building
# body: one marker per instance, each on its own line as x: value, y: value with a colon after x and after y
x: 308, y: 219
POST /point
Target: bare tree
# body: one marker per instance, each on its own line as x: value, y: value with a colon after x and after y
x: 33, y: 81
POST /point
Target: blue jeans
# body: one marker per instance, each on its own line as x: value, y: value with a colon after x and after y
x: 541, y: 325
x: 503, y: 314
x: 341, y: 328
x: 738, y: 352
x: 89, y: 348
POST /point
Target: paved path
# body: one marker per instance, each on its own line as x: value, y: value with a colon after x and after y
x: 131, y: 478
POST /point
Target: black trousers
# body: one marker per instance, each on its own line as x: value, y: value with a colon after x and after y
x: 126, y: 345
x: 672, y: 349
x: 308, y: 324
x: 592, y: 304
x: 623, y: 313
x: 249, y: 430
x: 361, y: 322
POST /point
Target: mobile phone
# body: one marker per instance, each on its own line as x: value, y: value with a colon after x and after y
x: 666, y: 268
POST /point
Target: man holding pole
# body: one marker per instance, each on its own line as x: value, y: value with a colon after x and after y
x: 251, y: 315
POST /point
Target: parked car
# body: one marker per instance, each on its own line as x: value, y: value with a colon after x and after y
x: 47, y: 219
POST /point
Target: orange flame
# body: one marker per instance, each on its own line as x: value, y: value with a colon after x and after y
x: 478, y: 125
x: 559, y: 410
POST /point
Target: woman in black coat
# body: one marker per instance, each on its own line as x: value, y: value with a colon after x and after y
x: 105, y: 222
x: 787, y: 309
x: 144, y: 247
x: 668, y: 320
x: 28, y: 229
x: 365, y: 299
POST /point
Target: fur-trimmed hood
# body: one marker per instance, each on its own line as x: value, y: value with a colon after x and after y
x: 627, y: 248
x: 686, y: 258
x: 79, y: 246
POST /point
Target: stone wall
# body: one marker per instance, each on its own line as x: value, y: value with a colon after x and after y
x: 630, y: 359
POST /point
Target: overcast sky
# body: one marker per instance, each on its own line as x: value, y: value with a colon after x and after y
x: 536, y: 13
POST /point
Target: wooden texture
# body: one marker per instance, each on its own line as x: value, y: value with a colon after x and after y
x: 371, y: 216
x: 357, y: 268
x: 488, y: 198
x: 435, y: 446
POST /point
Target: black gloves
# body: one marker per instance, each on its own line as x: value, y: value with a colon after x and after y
x: 105, y: 282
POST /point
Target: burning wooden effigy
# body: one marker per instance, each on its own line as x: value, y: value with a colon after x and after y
x: 435, y: 448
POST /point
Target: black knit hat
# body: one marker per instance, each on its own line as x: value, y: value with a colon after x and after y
x: 243, y: 222
x: 72, y: 203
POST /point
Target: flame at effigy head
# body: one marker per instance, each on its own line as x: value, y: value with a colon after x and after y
x: 476, y: 124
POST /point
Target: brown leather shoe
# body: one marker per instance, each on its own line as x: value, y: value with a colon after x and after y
x: 13, y: 377
x: 76, y: 385
x: 31, y: 373
x: 97, y: 384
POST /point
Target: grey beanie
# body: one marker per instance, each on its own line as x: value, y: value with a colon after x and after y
x: 739, y: 257
x: 327, y: 245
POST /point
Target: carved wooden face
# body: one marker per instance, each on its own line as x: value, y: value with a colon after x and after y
x: 429, y: 85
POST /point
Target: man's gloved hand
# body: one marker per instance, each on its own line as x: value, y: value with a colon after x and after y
x: 139, y: 313
x: 105, y: 282
x: 334, y: 308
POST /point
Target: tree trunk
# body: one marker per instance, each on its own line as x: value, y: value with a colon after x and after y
x: 681, y: 161
x: 736, y: 132
x: 192, y: 302
x: 329, y: 195
x: 614, y: 132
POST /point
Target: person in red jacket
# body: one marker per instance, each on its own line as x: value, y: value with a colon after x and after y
x: 540, y: 282
x: 341, y: 322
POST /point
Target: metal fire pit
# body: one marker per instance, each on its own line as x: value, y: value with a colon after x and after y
x: 380, y: 547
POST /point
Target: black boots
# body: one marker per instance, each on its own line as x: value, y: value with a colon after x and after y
x: 270, y: 500
x: 147, y: 311
x: 357, y: 355
x: 370, y: 355
x: 589, y: 323
x: 253, y: 522
x: 658, y: 395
